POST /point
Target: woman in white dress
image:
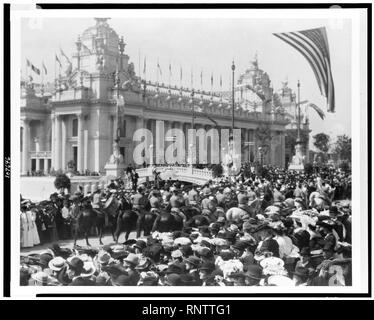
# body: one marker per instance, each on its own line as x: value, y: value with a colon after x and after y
x: 29, y: 231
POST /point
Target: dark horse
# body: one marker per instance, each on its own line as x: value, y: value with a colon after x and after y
x: 86, y: 219
x: 127, y: 220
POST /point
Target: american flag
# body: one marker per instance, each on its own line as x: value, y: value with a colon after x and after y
x: 313, y: 45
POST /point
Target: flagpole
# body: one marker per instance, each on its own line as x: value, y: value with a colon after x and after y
x: 233, y: 97
x: 298, y: 110
x: 27, y: 72
x: 158, y: 65
x: 139, y: 63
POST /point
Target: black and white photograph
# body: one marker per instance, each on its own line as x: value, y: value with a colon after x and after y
x: 189, y: 149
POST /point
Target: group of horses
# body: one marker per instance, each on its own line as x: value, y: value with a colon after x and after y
x: 118, y: 215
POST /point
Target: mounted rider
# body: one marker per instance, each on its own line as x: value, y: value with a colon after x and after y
x: 139, y: 202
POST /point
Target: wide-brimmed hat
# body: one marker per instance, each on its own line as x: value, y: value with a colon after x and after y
x: 88, y: 269
x: 174, y: 268
x: 132, y: 259
x: 143, y: 263
x: 140, y: 244
x: 253, y: 271
x: 123, y: 280
x: 280, y: 281
x: 44, y: 259
x: 56, y: 264
x: 76, y: 264
x: 195, y: 261
x: 43, y: 278
x: 103, y: 257
x: 241, y: 245
x: 176, y: 254
x: 182, y: 241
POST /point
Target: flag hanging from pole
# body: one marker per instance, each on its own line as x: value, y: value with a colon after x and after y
x: 44, y: 68
x: 35, y: 69
x: 28, y: 63
x: 58, y: 60
x: 220, y: 80
x: 159, y: 68
x: 145, y: 65
x: 181, y: 75
x: 170, y: 73
x: 211, y: 79
x: 201, y: 78
x: 64, y: 55
x: 191, y: 77
x: 318, y: 110
x: 86, y: 48
x: 313, y: 45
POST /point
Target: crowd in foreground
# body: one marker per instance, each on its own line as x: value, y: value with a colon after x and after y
x: 279, y: 229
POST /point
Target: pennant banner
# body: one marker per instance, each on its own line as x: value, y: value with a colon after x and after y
x: 318, y: 110
x: 58, y: 60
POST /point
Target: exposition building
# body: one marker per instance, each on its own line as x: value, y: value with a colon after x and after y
x: 76, y: 119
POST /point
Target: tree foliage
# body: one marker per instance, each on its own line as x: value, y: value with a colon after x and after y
x: 62, y: 181
x: 321, y: 142
x: 217, y: 170
x: 343, y: 147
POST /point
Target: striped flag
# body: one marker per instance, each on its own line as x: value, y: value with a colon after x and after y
x: 318, y: 110
x: 58, y: 60
x: 313, y: 45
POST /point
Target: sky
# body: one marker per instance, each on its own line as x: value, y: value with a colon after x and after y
x: 211, y: 45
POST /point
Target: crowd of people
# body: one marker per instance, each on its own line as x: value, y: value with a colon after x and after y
x: 268, y: 228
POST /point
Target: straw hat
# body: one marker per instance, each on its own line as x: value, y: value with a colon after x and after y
x: 56, y: 264
x: 280, y: 281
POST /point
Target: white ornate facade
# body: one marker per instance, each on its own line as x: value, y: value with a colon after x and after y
x: 78, y: 120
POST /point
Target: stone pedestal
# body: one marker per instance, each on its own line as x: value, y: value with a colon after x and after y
x: 298, y: 167
x: 298, y: 159
x: 114, y: 169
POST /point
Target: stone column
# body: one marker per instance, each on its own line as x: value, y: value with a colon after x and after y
x: 139, y: 125
x: 53, y: 142
x: 85, y: 150
x: 80, y: 143
x: 63, y: 144
x: 25, y: 146
x: 37, y: 149
x: 57, y: 149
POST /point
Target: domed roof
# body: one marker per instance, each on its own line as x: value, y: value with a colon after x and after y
x: 101, y: 29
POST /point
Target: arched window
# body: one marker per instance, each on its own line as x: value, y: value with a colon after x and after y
x: 75, y: 128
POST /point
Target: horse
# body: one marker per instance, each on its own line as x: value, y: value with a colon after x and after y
x: 127, y: 220
x: 167, y: 222
x: 86, y: 219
